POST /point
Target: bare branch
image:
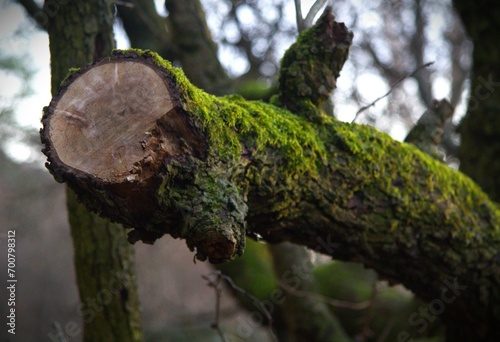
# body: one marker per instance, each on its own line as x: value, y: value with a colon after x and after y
x: 387, y: 330
x: 387, y: 70
x: 218, y: 290
x: 32, y: 9
x: 330, y: 301
x: 247, y: 294
x: 298, y: 15
x: 315, y: 8
x: 417, y: 47
x: 362, y: 109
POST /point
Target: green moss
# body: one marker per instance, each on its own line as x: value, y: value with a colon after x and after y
x: 227, y: 121
x: 71, y: 71
x: 419, y: 189
x: 311, y: 66
x: 382, y: 173
x: 387, y: 167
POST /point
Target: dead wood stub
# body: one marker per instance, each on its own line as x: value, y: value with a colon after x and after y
x: 109, y: 131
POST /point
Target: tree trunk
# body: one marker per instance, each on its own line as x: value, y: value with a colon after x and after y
x: 480, y: 137
x: 166, y: 157
x: 192, y: 38
x: 79, y: 32
x: 480, y: 128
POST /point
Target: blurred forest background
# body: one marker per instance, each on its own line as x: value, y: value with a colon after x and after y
x: 391, y: 40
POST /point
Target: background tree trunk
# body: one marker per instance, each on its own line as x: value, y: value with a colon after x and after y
x: 480, y: 128
x: 79, y: 32
x: 480, y: 135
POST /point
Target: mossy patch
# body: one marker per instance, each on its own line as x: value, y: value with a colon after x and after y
x: 387, y: 167
x: 230, y: 120
x: 71, y: 71
x: 418, y: 186
x: 392, y: 167
x: 311, y: 66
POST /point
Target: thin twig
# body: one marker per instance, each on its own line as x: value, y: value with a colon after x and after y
x: 247, y: 294
x: 362, y: 109
x: 298, y: 15
x: 324, y: 299
x: 366, y: 332
x: 315, y: 8
x: 218, y: 291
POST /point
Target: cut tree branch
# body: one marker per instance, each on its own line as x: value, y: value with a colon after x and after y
x: 141, y: 145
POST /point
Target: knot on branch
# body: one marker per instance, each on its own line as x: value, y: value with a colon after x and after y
x: 429, y: 130
x: 213, y: 212
x: 311, y: 66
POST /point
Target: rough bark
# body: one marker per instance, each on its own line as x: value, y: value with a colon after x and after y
x: 106, y: 276
x: 80, y: 32
x: 209, y: 166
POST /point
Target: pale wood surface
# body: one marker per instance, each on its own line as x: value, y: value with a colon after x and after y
x: 103, y: 121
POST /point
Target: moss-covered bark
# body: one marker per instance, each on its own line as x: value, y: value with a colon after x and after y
x: 144, y: 35
x: 310, y: 68
x: 79, y: 32
x: 307, y: 77
x: 342, y: 189
x: 322, y: 184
